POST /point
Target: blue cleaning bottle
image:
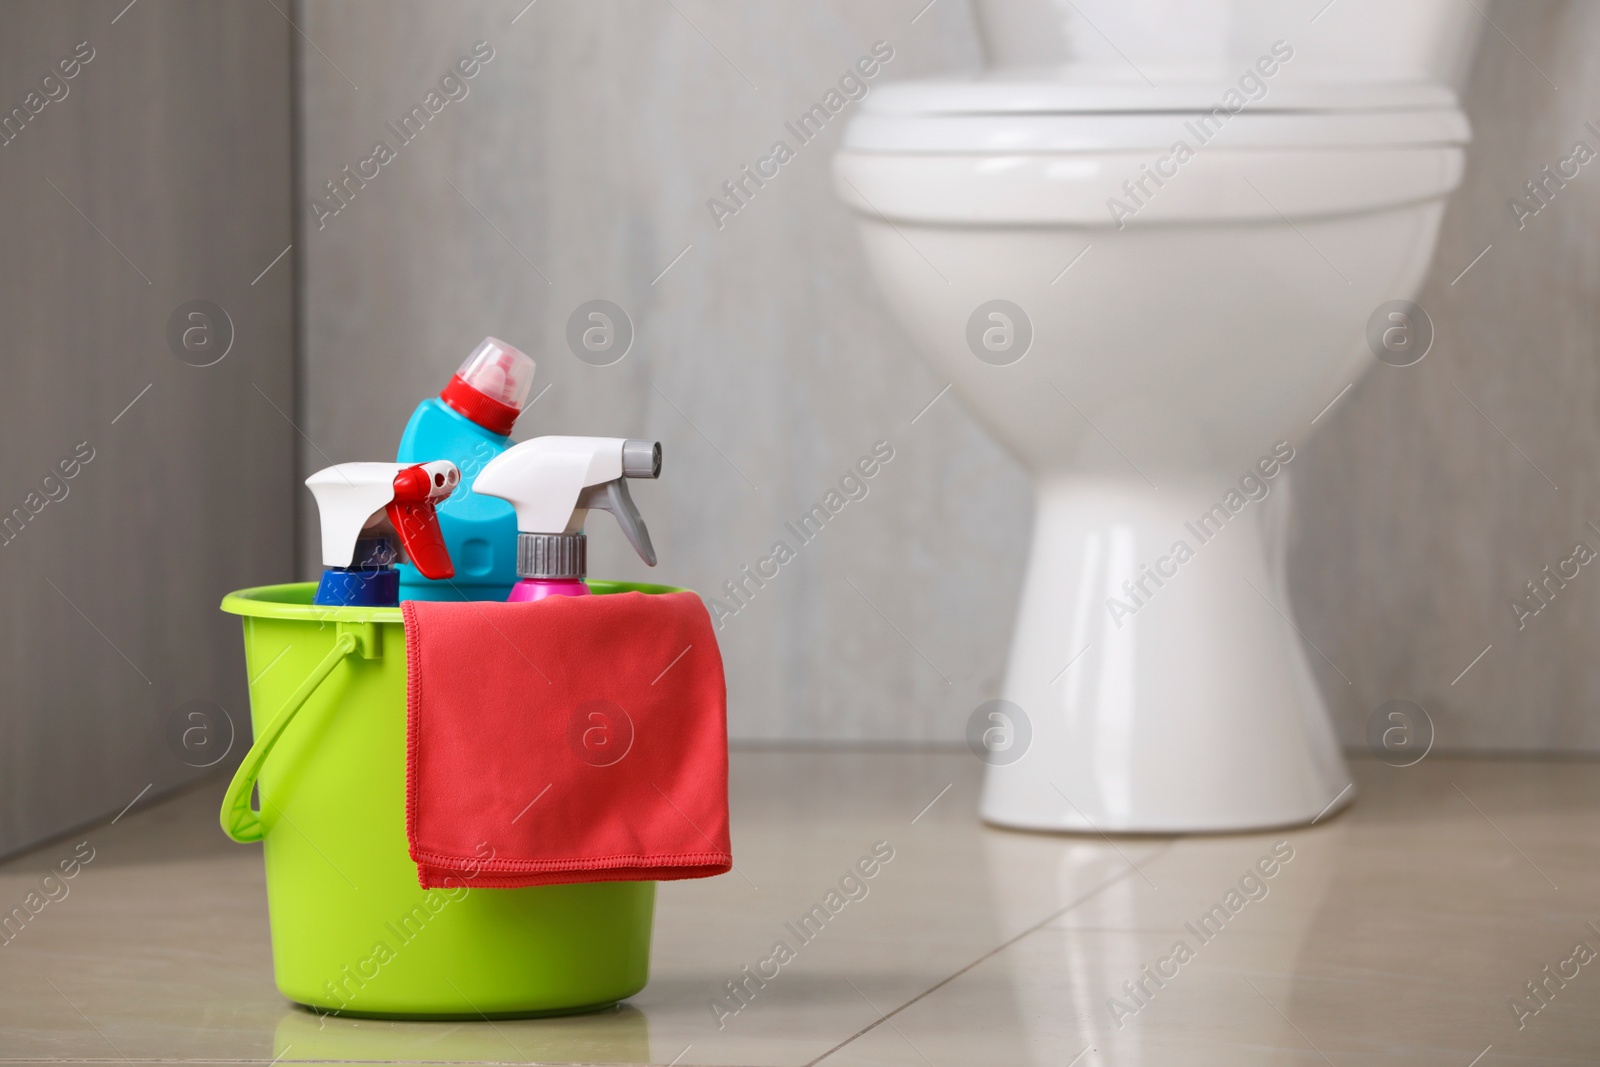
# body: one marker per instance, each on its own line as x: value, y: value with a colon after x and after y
x: 470, y: 423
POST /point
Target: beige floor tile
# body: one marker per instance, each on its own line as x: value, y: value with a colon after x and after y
x: 1397, y: 934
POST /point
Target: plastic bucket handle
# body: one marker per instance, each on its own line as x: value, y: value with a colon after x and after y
x: 239, y: 820
x: 359, y: 630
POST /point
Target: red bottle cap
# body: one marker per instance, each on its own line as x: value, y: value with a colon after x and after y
x: 491, y: 386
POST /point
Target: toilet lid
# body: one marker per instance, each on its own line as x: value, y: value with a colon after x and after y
x: 1007, y: 115
x: 1010, y: 94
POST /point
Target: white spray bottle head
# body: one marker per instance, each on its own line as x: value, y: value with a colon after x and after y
x: 554, y: 482
x: 379, y: 499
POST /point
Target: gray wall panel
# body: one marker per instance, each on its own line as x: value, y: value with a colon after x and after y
x: 170, y: 157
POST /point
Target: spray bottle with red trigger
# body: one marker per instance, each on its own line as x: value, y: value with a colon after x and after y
x: 370, y: 511
x: 553, y: 483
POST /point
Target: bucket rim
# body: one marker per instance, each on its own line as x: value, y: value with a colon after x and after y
x: 292, y: 600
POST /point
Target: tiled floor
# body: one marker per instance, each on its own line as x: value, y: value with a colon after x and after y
x: 1399, y: 932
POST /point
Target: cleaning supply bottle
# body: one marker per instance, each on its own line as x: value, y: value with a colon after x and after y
x: 469, y: 423
x: 552, y: 483
x: 365, y: 508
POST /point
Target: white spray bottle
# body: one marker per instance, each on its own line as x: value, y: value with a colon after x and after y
x: 553, y: 483
x: 370, y: 513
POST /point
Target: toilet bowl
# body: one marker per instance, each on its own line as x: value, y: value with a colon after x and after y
x: 1146, y: 288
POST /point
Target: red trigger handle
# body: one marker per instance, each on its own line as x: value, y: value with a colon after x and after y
x: 412, y: 514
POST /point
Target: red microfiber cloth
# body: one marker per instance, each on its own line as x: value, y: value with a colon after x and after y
x: 570, y: 739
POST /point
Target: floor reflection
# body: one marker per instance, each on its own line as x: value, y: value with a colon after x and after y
x: 1153, y: 959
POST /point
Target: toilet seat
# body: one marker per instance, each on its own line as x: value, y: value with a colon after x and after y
x: 1110, y: 132
x: 1018, y: 93
x: 984, y: 116
x: 1008, y: 151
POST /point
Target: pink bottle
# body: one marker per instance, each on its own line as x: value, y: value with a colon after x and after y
x: 539, y: 588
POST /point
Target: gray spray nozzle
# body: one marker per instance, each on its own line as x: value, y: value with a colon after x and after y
x: 613, y: 496
x: 641, y: 459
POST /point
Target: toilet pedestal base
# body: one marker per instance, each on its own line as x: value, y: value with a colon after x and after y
x: 1181, y: 701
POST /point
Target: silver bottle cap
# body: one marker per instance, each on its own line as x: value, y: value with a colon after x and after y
x: 554, y: 556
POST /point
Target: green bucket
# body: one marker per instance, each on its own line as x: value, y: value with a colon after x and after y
x: 352, y: 930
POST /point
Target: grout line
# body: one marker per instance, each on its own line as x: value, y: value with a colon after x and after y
x: 1035, y: 928
x: 903, y: 1035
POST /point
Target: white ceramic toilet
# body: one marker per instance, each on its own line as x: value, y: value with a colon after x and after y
x: 1151, y: 330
